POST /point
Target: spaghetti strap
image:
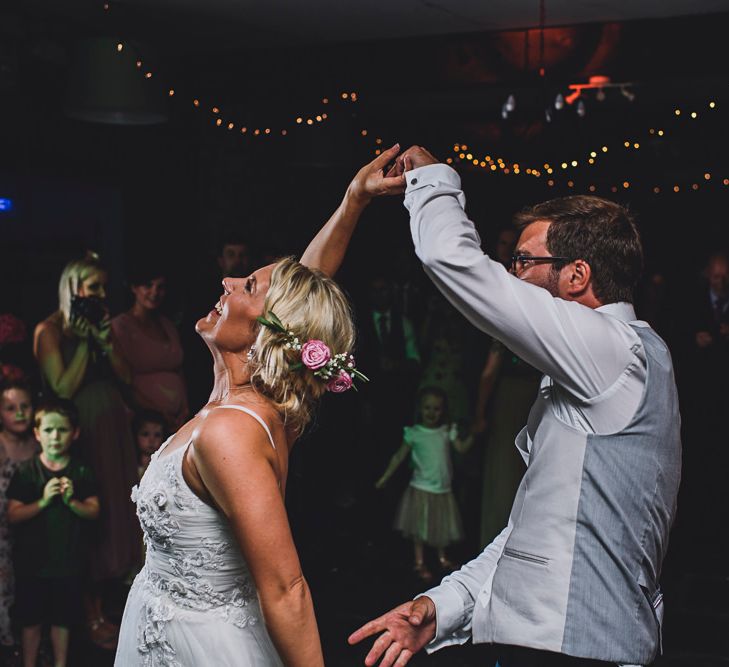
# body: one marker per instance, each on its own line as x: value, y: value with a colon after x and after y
x: 255, y: 416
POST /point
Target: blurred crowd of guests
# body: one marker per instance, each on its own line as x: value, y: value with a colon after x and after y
x: 442, y: 396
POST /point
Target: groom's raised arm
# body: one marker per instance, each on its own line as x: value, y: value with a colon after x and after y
x: 563, y: 339
x: 327, y: 249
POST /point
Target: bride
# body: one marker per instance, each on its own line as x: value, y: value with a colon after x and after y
x: 222, y: 583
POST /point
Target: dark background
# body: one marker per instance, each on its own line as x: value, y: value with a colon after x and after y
x: 175, y: 188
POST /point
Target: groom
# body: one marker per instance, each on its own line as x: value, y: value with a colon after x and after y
x: 573, y: 578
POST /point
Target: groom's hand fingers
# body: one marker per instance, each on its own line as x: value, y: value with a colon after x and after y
x: 367, y: 630
x: 391, y: 655
x: 383, y: 644
x: 404, y: 658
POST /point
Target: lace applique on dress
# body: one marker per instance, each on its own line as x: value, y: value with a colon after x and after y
x: 189, y: 567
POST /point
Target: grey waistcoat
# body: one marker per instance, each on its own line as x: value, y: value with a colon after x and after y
x: 579, y: 572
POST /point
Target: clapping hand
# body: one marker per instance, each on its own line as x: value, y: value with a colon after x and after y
x: 405, y: 630
x: 66, y: 489
x: 50, y: 491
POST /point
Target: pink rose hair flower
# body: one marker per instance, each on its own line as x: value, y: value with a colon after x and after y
x: 315, y: 354
x: 340, y: 383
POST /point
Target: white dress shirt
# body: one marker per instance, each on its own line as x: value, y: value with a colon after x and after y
x: 594, y: 362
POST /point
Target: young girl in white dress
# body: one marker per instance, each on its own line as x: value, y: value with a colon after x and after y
x: 428, y: 512
x: 222, y: 584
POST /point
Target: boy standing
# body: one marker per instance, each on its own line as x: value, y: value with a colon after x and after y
x: 49, y: 499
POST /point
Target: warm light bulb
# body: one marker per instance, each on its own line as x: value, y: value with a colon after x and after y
x: 148, y: 75
x: 626, y: 185
x: 707, y: 177
x: 216, y: 110
x: 379, y: 141
x: 694, y: 114
x: 574, y: 163
x: 230, y: 126
x: 364, y: 133
x: 676, y: 188
x: 593, y: 154
x: 604, y: 149
x: 309, y: 121
x: 219, y: 122
x: 677, y: 112
x: 119, y: 47
x: 449, y: 160
x: 656, y: 189
x: 695, y: 186
x: 139, y: 64
x: 570, y: 184
x: 325, y: 100
x: 171, y: 92
x: 299, y: 120
x: 712, y: 105
x: 344, y: 96
x: 243, y: 130
x: 564, y: 165
x: 284, y: 132
x: 196, y: 103
x: 660, y: 133
x: 636, y: 145
x: 469, y: 156
x: 591, y: 188
x: 256, y: 132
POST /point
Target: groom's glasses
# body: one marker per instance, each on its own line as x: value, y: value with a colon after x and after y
x: 521, y: 262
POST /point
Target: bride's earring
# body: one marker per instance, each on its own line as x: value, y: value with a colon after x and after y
x: 251, y: 352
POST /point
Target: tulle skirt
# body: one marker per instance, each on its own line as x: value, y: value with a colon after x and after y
x: 432, y: 518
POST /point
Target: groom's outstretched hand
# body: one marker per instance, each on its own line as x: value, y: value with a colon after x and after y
x: 405, y: 630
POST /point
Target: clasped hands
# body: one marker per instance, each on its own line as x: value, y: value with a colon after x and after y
x: 372, y: 180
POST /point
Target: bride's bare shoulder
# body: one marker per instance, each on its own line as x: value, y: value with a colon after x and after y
x: 225, y: 424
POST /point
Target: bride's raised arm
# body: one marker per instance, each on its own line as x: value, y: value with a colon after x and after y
x: 327, y: 249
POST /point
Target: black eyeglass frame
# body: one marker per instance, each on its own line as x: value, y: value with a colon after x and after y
x: 551, y: 258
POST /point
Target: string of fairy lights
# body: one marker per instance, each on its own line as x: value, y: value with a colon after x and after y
x: 564, y: 172
x: 558, y: 173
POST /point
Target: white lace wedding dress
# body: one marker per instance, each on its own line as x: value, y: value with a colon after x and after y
x: 194, y: 603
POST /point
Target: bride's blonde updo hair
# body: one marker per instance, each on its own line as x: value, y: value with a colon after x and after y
x: 311, y: 306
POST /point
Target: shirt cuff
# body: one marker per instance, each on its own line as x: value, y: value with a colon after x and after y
x: 451, y: 618
x: 430, y: 176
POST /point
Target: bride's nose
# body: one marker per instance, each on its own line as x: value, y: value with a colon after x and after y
x: 231, y: 284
